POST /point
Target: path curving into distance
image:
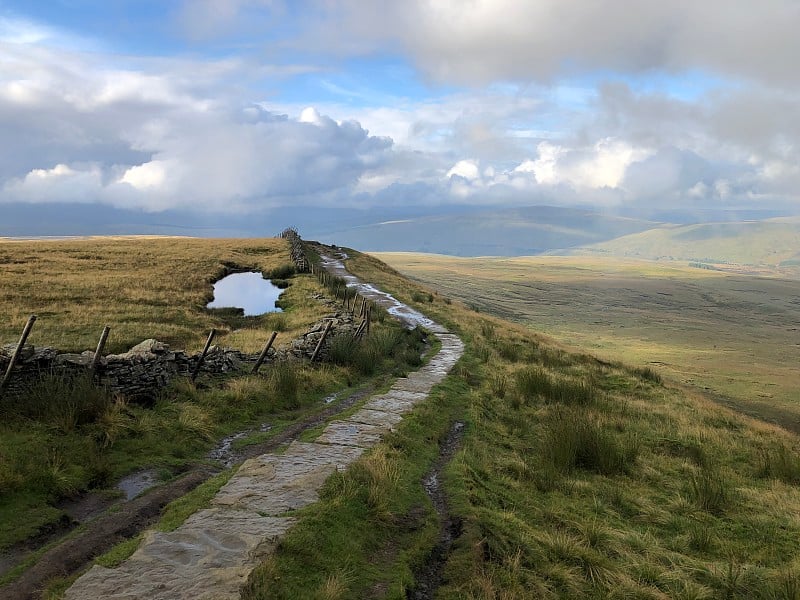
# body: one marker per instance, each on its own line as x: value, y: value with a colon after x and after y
x: 213, y: 552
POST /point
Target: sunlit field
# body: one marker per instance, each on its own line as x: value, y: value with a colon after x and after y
x: 734, y: 336
x: 142, y: 287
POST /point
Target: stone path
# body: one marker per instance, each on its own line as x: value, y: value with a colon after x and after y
x: 211, y: 555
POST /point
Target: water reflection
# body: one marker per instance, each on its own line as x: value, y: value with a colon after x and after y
x: 249, y: 291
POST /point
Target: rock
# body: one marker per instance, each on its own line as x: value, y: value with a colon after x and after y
x: 25, y: 354
x: 149, y: 346
x: 73, y: 360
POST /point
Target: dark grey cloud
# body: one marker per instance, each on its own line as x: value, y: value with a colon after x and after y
x: 487, y: 40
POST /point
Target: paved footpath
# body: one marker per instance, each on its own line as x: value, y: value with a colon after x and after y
x: 211, y: 555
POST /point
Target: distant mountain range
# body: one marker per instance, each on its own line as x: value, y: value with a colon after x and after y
x: 749, y: 237
x: 772, y: 242
x: 506, y: 232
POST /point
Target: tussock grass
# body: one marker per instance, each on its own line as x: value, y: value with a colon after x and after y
x: 642, y: 491
x: 63, y: 400
x: 576, y: 440
x: 535, y: 382
x: 782, y: 463
x: 390, y: 344
x: 710, y: 490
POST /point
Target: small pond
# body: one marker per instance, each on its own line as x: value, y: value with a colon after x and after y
x: 249, y: 291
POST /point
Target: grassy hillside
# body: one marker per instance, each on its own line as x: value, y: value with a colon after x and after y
x: 576, y: 479
x: 64, y: 439
x: 731, y: 335
x: 507, y: 232
x: 774, y: 243
x: 141, y: 287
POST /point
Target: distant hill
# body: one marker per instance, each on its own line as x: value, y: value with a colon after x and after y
x: 506, y: 232
x: 772, y: 242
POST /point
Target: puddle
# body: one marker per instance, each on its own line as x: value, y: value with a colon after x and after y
x: 249, y: 291
x: 224, y: 452
x: 136, y: 483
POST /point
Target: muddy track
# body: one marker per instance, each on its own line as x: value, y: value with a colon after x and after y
x: 428, y: 577
x: 133, y: 517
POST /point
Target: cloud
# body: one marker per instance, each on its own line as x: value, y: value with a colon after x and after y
x: 481, y: 41
x: 157, y: 137
x: 202, y: 133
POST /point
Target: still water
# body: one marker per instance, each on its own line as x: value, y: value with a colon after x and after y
x: 249, y: 291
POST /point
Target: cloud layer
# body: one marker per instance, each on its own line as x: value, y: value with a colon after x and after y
x: 610, y: 103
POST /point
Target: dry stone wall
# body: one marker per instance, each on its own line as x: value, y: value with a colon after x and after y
x: 141, y: 372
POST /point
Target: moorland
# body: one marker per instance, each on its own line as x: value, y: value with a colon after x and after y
x: 732, y: 335
x: 578, y: 476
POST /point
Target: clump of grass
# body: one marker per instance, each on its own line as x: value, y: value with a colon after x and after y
x: 535, y: 382
x: 499, y: 385
x: 648, y: 374
x: 422, y: 297
x: 691, y: 449
x: 574, y: 440
x: 342, y: 349
x: 509, y: 351
x: 710, y: 491
x: 195, y: 421
x: 488, y: 330
x: 368, y: 354
x: 701, y: 537
x: 780, y: 463
x: 551, y: 358
x: 284, y: 271
x: 61, y: 400
x: 381, y: 474
x: 284, y: 384
x: 786, y: 585
x: 275, y: 321
x: 334, y: 588
x: 115, y: 420
x: 483, y: 352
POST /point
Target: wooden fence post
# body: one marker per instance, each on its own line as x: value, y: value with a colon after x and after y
x: 99, y: 352
x: 322, y: 339
x: 263, y: 354
x: 14, y: 357
x: 203, y: 354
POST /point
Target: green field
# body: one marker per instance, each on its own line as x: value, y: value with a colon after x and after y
x: 734, y: 336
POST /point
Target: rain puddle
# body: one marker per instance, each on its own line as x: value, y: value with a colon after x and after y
x: 248, y: 291
x: 224, y: 453
x: 136, y: 483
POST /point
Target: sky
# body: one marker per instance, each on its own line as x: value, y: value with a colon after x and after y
x: 233, y: 107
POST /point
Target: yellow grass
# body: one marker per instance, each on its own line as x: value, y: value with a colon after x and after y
x: 731, y: 335
x: 142, y: 287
